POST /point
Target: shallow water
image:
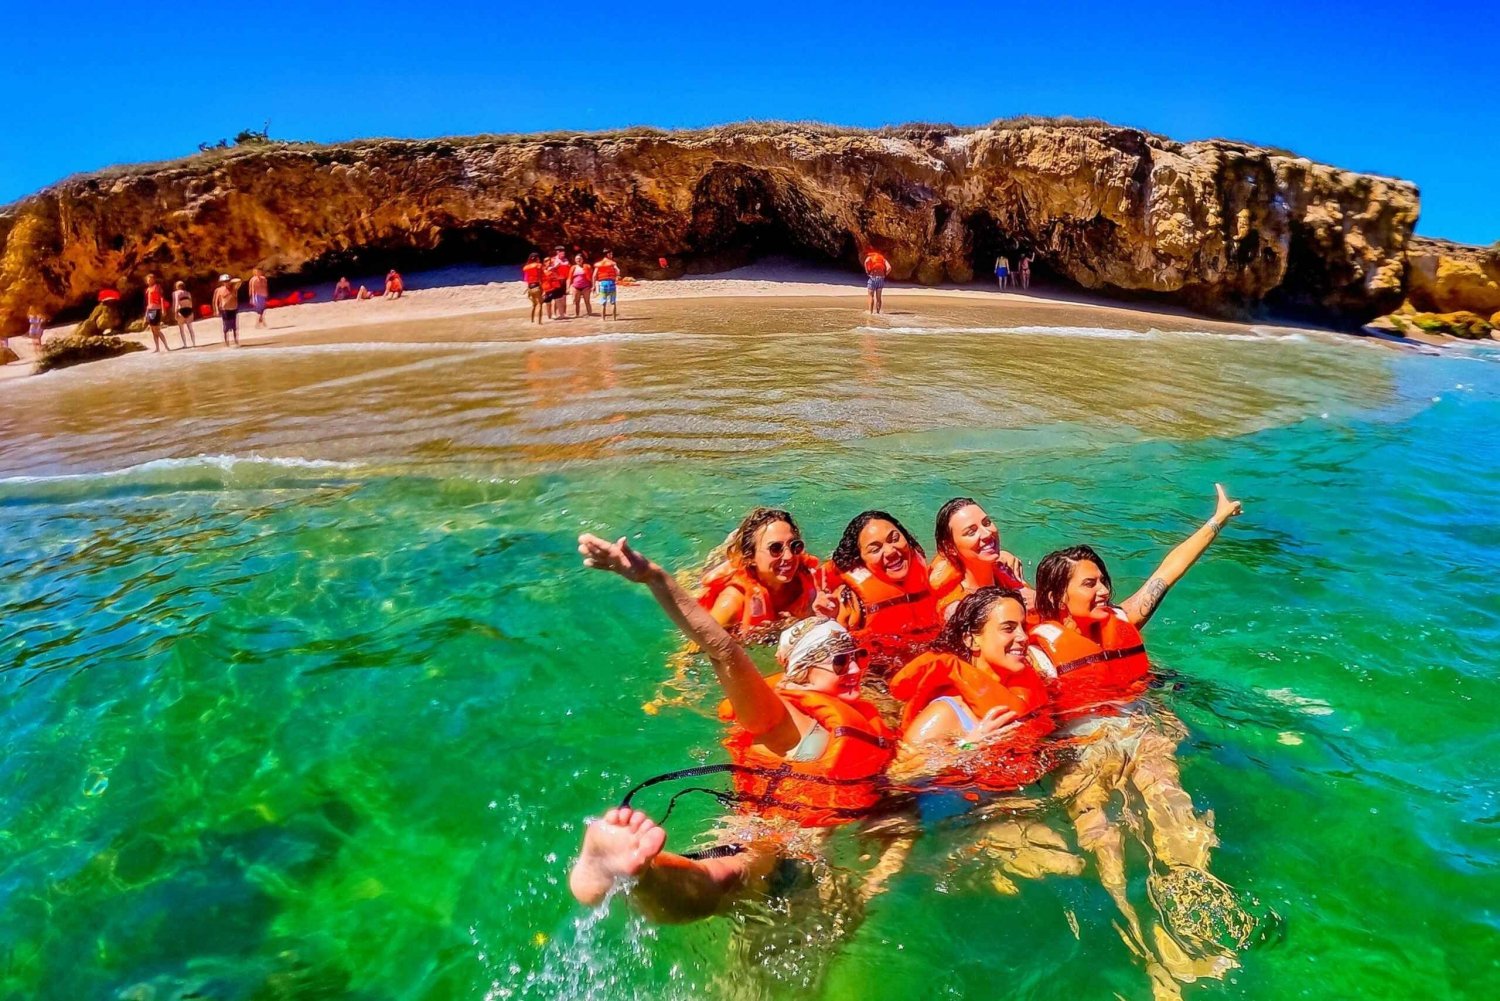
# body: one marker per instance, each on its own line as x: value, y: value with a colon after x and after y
x: 304, y: 693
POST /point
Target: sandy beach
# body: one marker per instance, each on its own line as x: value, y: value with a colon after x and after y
x: 497, y: 292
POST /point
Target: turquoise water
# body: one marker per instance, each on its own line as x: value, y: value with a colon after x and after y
x: 303, y: 693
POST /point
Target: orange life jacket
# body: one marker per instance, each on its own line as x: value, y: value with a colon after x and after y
x: 759, y: 609
x: 876, y: 264
x: 840, y: 785
x: 1006, y: 763
x: 1091, y: 676
x: 606, y: 271
x: 531, y: 274
x: 947, y: 583
x: 894, y: 619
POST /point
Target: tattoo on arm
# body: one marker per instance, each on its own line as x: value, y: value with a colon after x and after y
x: 1150, y: 597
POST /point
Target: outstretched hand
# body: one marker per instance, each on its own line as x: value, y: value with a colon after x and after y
x: 1226, y: 507
x: 992, y: 723
x: 616, y: 557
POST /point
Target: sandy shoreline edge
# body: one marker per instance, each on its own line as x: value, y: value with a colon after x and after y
x: 471, y: 291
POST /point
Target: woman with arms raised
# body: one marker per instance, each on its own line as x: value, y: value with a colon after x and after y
x: 969, y: 556
x: 810, y: 751
x: 1119, y: 751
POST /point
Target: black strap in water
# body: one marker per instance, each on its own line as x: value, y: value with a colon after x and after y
x: 774, y: 775
x: 1100, y: 658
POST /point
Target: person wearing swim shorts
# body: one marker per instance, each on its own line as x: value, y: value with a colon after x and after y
x: 182, y: 308
x: 531, y: 274
x: 227, y: 305
x: 606, y: 275
x: 876, y: 268
x: 561, y: 270
x: 156, y: 308
x: 1002, y: 271
x: 260, y: 289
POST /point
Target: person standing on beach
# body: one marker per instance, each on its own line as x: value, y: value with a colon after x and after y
x: 1025, y: 264
x: 531, y: 274
x: 876, y: 268
x: 606, y: 274
x: 156, y: 309
x: 182, y: 308
x: 561, y: 272
x: 35, y: 325
x: 583, y: 286
x: 260, y: 290
x: 227, y: 305
x: 1002, y: 270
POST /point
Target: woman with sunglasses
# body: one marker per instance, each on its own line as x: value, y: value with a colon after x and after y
x: 812, y: 754
x: 969, y: 556
x: 765, y: 577
x: 885, y: 598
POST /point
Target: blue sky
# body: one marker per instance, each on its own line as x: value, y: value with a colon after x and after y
x: 1404, y: 89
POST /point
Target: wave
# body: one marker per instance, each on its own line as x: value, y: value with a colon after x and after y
x: 1108, y: 333
x: 198, y: 472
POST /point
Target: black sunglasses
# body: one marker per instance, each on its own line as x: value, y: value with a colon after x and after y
x: 849, y: 662
x: 797, y: 546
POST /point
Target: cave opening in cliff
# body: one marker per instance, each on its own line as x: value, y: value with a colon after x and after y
x: 990, y: 240
x: 482, y: 246
x: 741, y: 216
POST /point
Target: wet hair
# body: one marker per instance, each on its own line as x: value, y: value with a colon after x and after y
x: 942, y: 532
x: 1053, y: 574
x: 846, y: 555
x: 740, y: 546
x: 968, y: 619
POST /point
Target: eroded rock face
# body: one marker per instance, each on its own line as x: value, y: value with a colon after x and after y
x: 1445, y: 277
x: 1218, y: 226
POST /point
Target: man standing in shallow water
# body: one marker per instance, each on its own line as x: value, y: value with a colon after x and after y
x: 876, y: 268
x: 606, y: 274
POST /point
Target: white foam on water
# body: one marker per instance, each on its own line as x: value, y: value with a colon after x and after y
x: 1106, y: 333
x: 222, y: 463
x: 1301, y: 703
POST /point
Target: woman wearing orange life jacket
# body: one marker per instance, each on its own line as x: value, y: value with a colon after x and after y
x: 885, y: 599
x: 969, y: 556
x: 1121, y: 754
x: 827, y: 746
x: 765, y: 578
x: 977, y: 689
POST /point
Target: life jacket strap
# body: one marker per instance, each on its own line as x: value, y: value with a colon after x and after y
x: 864, y: 735
x: 905, y: 599
x: 1102, y: 657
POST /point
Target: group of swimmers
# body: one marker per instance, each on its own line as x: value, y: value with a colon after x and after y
x: 549, y: 283
x: 904, y: 674
x: 395, y: 287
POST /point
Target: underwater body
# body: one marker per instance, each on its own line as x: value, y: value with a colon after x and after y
x: 305, y: 692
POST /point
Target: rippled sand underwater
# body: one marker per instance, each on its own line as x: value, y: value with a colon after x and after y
x: 304, y: 694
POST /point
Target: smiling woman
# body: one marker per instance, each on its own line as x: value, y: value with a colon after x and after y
x: 886, y: 597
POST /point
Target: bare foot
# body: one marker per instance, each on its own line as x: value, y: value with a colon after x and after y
x: 619, y: 844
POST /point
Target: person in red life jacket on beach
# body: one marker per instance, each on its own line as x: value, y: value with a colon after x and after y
x: 1118, y: 752
x: 765, y: 579
x: 977, y: 690
x: 879, y: 588
x: 606, y: 277
x: 969, y: 556
x: 531, y: 274
x: 809, y: 753
x: 559, y: 270
x: 876, y: 268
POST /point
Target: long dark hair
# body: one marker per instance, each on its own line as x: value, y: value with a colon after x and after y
x: 740, y: 546
x: 968, y: 619
x: 1053, y: 574
x: 942, y: 532
x: 846, y: 555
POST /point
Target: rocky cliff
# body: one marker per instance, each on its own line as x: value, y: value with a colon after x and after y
x: 1444, y: 277
x: 1218, y: 226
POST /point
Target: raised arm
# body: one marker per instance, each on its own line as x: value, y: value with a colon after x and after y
x: 757, y: 707
x: 1139, y: 607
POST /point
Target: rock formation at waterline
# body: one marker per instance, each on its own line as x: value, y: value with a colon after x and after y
x: 1217, y: 226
